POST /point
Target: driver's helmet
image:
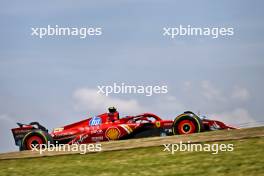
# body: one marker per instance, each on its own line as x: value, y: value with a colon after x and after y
x: 112, y: 109
x: 113, y: 114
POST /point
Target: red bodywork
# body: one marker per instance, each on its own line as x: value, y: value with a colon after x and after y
x: 127, y: 127
x: 108, y: 126
x: 95, y: 130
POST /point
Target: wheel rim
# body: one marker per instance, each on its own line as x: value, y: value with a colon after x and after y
x: 186, y: 127
x: 33, y: 140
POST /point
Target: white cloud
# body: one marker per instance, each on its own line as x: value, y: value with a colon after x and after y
x: 235, y: 117
x: 210, y: 92
x: 166, y: 106
x: 187, y: 85
x: 240, y: 93
x: 6, y: 118
x: 89, y: 100
x: 226, y: 106
x: 170, y: 103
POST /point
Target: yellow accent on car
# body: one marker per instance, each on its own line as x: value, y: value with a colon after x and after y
x: 58, y: 129
x: 112, y: 133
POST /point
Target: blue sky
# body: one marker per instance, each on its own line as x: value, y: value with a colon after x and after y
x: 53, y: 80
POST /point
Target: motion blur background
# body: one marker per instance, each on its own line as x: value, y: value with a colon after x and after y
x: 54, y: 80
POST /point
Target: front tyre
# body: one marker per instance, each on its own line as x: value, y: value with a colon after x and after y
x: 187, y: 123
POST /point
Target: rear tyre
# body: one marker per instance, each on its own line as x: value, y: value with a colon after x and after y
x: 187, y: 123
x: 36, y: 138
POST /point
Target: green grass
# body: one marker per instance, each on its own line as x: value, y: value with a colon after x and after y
x: 246, y: 159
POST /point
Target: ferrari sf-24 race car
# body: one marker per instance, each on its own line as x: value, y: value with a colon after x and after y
x: 109, y: 126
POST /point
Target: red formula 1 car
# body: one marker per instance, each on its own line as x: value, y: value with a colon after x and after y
x: 108, y: 126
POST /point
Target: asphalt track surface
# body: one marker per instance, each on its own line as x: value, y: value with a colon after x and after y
x: 213, y: 136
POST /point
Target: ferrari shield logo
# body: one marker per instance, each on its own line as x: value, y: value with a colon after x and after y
x: 158, y: 124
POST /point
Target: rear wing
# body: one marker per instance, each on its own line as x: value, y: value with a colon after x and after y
x: 23, y: 129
